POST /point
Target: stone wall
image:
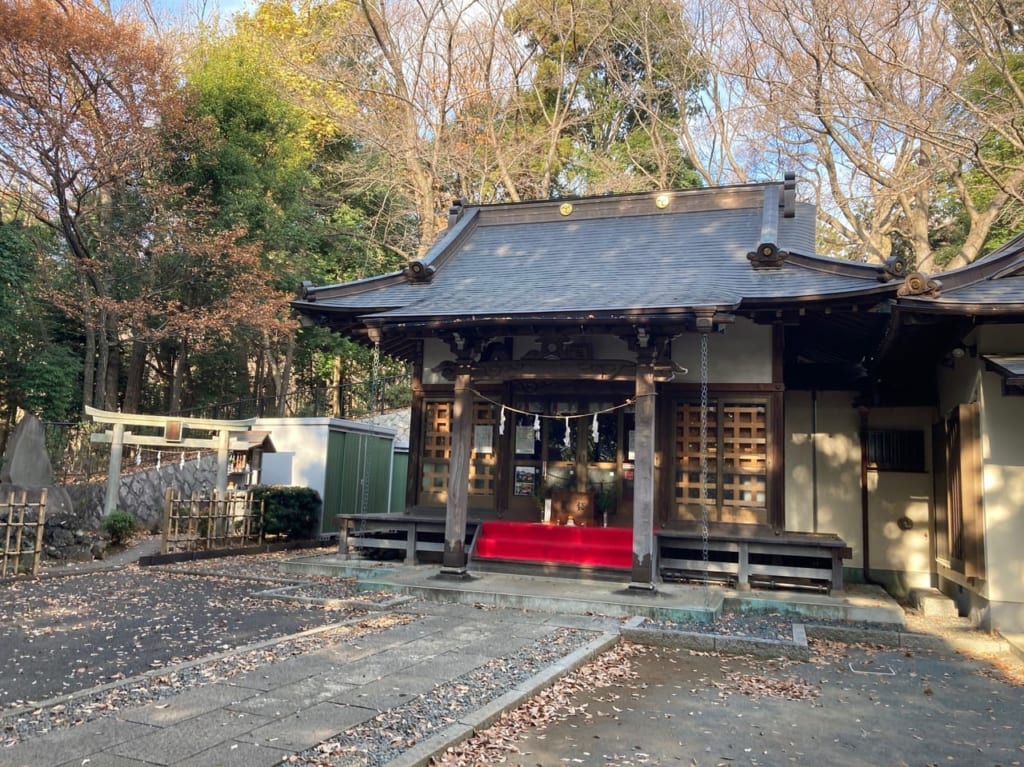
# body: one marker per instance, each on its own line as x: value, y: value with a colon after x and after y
x: 142, y: 493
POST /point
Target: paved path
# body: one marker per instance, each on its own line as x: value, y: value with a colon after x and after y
x: 260, y: 717
x: 400, y: 692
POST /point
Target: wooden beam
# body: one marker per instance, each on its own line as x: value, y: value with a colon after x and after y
x: 150, y: 441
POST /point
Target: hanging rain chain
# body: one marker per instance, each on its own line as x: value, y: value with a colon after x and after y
x: 704, y: 534
x: 374, y: 375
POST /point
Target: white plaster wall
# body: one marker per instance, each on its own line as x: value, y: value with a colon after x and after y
x: 1002, y: 427
x: 435, y: 351
x: 997, y: 339
x: 835, y: 443
x: 1002, y: 445
x: 799, y: 447
x: 893, y: 495
x: 305, y: 439
x: 742, y: 354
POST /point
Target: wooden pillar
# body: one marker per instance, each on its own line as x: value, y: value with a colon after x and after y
x: 414, y: 474
x: 456, y: 511
x: 643, y: 573
x: 114, y: 470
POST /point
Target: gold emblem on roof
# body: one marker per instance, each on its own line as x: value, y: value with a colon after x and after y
x: 661, y: 201
x: 565, y: 209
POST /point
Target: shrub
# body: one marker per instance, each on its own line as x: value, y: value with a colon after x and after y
x: 290, y: 511
x: 119, y: 525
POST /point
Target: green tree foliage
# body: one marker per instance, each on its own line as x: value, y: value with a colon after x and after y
x: 622, y: 74
x: 37, y: 374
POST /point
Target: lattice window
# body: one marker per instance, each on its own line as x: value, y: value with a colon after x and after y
x: 737, y: 454
x: 744, y: 440
x: 437, y: 449
x: 687, y: 481
x: 437, y: 432
x: 483, y: 465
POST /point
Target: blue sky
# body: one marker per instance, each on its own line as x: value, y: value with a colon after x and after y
x: 190, y: 12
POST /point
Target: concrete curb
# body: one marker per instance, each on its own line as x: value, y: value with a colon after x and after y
x: 281, y: 595
x: 796, y: 649
x: 545, y: 604
x: 422, y: 753
x: 850, y: 635
x: 1016, y: 643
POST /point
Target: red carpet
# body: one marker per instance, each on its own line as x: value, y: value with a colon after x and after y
x: 558, y: 544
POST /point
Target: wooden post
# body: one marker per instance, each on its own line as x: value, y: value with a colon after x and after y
x: 37, y: 554
x: 168, y: 500
x: 114, y: 472
x: 415, y: 468
x: 18, y: 531
x: 643, y: 575
x: 8, y: 526
x: 223, y: 437
x: 456, y: 510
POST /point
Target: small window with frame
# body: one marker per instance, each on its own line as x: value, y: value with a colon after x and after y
x: 896, y: 450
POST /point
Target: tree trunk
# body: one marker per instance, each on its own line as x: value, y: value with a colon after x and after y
x: 178, y: 377
x: 337, y: 387
x: 284, y: 382
x: 99, y: 395
x: 136, y: 373
x: 89, y: 361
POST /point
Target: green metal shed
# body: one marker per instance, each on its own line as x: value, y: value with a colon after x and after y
x: 358, y: 475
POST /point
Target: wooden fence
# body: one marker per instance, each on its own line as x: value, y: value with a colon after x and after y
x: 204, y: 523
x: 21, y: 533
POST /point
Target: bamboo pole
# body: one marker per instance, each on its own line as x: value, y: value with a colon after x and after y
x: 40, y: 529
x: 9, y: 503
x: 19, y: 530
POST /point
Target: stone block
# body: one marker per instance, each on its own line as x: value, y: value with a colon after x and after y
x: 26, y: 461
x: 932, y: 603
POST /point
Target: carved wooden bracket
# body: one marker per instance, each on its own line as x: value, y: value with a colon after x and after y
x: 919, y: 284
x: 560, y: 347
x: 649, y: 347
x: 464, y: 346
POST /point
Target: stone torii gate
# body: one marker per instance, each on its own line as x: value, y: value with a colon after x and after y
x: 173, y: 436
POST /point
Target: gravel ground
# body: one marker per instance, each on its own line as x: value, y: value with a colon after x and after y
x: 158, y: 686
x: 61, y: 635
x: 393, y: 731
x: 775, y: 626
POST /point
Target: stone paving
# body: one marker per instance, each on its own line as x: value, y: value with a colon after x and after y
x: 282, y: 697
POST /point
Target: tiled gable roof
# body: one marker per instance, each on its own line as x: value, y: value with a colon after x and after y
x: 608, y: 256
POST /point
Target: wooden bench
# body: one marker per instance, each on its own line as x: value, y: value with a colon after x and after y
x: 741, y: 556
x: 412, y: 535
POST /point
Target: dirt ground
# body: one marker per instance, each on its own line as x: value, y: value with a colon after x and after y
x: 852, y: 705
x: 60, y: 635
